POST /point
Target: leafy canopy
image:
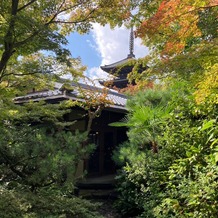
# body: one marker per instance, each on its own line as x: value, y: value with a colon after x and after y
x: 31, y: 26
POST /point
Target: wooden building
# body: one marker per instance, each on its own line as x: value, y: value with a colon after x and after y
x: 106, y: 138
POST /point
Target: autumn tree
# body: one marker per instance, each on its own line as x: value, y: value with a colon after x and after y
x: 172, y: 25
x: 181, y: 179
x: 182, y: 37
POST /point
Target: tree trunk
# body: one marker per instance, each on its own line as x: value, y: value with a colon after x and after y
x: 9, y: 39
x: 154, y: 147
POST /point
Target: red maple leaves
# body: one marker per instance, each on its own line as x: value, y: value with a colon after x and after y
x: 174, y: 22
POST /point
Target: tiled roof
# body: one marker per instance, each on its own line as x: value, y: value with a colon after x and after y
x: 108, y: 68
x: 118, y: 101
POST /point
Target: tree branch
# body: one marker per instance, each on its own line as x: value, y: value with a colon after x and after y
x: 77, y: 21
x: 9, y: 163
x: 15, y: 74
x: 26, y: 5
x: 18, y: 44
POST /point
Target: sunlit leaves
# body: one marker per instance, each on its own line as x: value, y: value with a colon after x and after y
x: 173, y: 24
x: 31, y: 26
x: 207, y: 88
x: 183, y: 38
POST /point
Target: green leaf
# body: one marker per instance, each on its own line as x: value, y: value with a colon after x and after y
x: 208, y: 125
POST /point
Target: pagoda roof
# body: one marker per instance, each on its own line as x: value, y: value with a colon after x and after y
x: 110, y: 68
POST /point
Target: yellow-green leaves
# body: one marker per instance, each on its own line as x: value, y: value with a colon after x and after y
x: 207, y: 88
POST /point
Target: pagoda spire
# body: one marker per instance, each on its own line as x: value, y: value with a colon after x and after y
x: 131, y: 44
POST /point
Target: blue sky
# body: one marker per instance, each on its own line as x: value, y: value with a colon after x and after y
x: 83, y: 46
x: 103, y: 46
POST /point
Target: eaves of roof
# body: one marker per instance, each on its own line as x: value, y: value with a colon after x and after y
x: 112, y: 66
x: 118, y: 101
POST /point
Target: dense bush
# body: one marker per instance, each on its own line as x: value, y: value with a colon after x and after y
x: 138, y: 183
x: 44, y: 204
x: 179, y: 178
x: 192, y: 179
x: 130, y: 180
x: 38, y: 164
x: 37, y: 156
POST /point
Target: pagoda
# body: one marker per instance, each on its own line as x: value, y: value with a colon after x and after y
x: 120, y: 69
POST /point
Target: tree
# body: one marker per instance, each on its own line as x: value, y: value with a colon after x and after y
x: 38, y: 161
x: 147, y: 110
x: 177, y: 180
x: 30, y: 26
x: 38, y: 154
x: 181, y: 179
x: 173, y: 24
x: 181, y: 35
x: 29, y: 29
x: 148, y: 113
x: 95, y: 100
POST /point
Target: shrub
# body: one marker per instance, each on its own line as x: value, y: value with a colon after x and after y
x: 44, y: 204
x: 181, y: 178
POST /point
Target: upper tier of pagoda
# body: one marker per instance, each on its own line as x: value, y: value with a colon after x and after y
x: 121, y: 68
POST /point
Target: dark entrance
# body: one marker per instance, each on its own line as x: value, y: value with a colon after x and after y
x: 109, y: 145
x: 100, y: 161
x: 93, y: 163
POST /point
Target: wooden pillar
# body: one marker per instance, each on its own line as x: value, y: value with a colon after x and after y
x: 101, y: 153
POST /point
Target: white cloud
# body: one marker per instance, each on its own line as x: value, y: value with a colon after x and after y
x: 97, y: 74
x: 112, y: 46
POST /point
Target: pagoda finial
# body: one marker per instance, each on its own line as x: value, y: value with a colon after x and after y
x: 131, y: 44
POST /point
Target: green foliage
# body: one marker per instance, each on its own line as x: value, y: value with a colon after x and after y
x: 180, y: 179
x: 148, y: 112
x: 31, y: 26
x: 46, y: 203
x: 130, y: 193
x: 191, y: 196
x: 192, y: 178
x: 38, y: 160
x: 40, y: 156
x: 37, y: 152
